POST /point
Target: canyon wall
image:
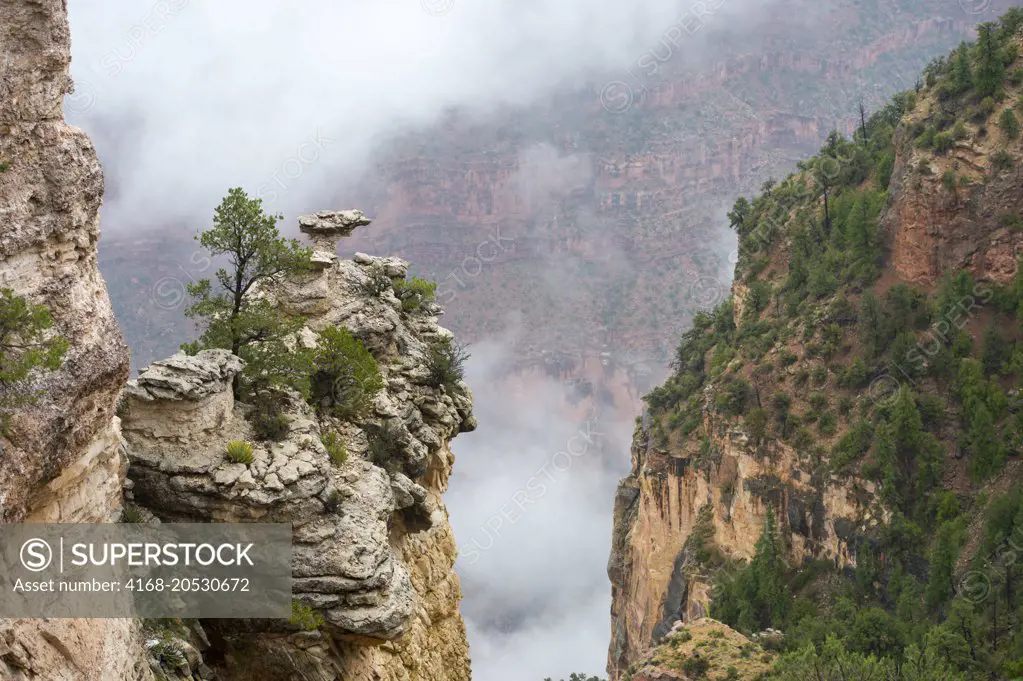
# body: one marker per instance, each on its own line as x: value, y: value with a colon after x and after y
x: 932, y: 228
x: 679, y: 501
x: 62, y: 459
x: 703, y: 480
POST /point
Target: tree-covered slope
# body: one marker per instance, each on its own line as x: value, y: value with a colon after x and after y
x: 871, y: 342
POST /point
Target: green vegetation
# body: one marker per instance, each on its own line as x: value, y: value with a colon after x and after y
x: 414, y: 292
x: 239, y: 452
x: 169, y: 656
x: 269, y: 421
x: 1009, y: 124
x: 754, y: 596
x: 305, y: 618
x: 1001, y: 160
x: 248, y: 325
x: 709, y: 650
x: 346, y: 377
x: 131, y: 514
x: 385, y: 446
x: 28, y: 347
x: 335, y: 447
x: 446, y: 364
x: 165, y: 647
x: 696, y: 667
x: 914, y: 390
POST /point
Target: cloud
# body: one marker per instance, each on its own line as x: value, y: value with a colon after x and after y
x: 531, y: 503
x: 188, y: 97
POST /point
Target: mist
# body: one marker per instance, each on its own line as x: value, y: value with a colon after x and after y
x: 187, y: 98
x: 531, y: 504
x: 291, y: 101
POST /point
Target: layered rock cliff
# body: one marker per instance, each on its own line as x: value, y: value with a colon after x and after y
x: 712, y: 494
x: 934, y: 228
x: 62, y: 460
x: 374, y: 552
x: 829, y: 387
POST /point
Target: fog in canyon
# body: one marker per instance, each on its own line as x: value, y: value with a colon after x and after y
x: 185, y: 99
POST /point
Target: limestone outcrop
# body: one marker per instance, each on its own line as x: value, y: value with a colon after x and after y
x: 62, y: 459
x: 675, y: 503
x: 374, y: 553
x: 50, y: 192
x: 933, y: 229
x: 327, y: 226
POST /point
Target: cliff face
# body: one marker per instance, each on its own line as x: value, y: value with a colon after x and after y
x: 680, y: 500
x: 63, y: 460
x: 374, y: 552
x: 49, y: 199
x: 934, y: 228
x: 837, y: 326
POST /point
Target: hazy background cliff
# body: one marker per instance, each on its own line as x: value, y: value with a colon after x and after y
x: 561, y: 168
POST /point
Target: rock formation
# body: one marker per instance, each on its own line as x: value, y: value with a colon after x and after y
x: 705, y: 474
x: 934, y: 229
x: 675, y: 502
x: 50, y: 192
x: 326, y: 227
x: 62, y: 461
x: 706, y: 648
x: 373, y: 549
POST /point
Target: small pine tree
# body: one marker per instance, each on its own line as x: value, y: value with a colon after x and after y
x: 26, y: 347
x: 873, y: 325
x: 885, y: 465
x: 767, y: 570
x: 997, y: 351
x: 347, y: 377
x: 940, y: 584
x: 962, y: 73
x: 990, y: 69
x: 739, y: 214
x: 249, y: 326
x: 1009, y: 124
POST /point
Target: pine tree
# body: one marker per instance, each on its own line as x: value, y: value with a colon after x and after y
x: 907, y: 426
x: 962, y: 73
x: 996, y: 350
x: 859, y: 231
x: 250, y: 326
x: 987, y: 452
x: 26, y: 347
x: 767, y: 570
x: 940, y: 587
x: 990, y: 70
x: 739, y: 214
x: 885, y: 461
x: 872, y: 325
x: 832, y: 662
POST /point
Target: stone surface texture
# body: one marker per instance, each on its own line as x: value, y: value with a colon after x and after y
x: 374, y: 552
x: 62, y: 460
